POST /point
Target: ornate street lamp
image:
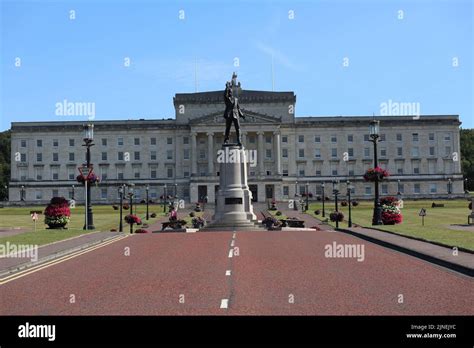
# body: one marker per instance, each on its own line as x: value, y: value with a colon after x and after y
x: 121, y: 192
x: 88, y: 142
x: 147, y: 189
x: 22, y: 193
x: 307, y: 196
x: 335, y: 192
x: 374, y: 134
x: 6, y: 193
x: 349, y: 191
x: 296, y: 195
x: 323, y: 185
x: 450, y: 187
x: 399, y: 191
x: 165, y: 197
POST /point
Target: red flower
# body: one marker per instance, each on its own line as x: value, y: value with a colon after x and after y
x: 373, y: 173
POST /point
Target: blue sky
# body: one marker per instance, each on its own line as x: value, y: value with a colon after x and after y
x: 82, y: 60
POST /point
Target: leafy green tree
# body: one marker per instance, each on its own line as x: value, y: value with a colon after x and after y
x: 4, y: 163
x: 467, y: 156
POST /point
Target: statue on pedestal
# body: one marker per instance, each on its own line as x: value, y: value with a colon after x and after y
x: 232, y: 112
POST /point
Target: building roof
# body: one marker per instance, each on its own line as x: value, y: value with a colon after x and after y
x: 245, y: 96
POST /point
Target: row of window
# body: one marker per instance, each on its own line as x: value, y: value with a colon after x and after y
x: 104, y: 142
x: 415, y: 137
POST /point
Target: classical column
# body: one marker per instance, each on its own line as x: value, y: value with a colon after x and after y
x: 193, y: 153
x: 276, y: 141
x: 210, y: 150
x: 261, y: 155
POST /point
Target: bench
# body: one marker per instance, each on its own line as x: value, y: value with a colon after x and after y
x: 437, y: 205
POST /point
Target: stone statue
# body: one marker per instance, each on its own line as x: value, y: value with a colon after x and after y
x: 232, y: 111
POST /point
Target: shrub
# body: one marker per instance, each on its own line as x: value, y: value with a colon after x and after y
x: 317, y: 212
x: 192, y: 214
x: 141, y: 230
x: 470, y: 206
x: 198, y: 222
x: 390, y: 218
x: 344, y: 203
x: 355, y: 203
x: 143, y: 201
x: 57, y: 214
x: 336, y: 216
x: 278, y: 213
x: 126, y: 206
x: 132, y: 219
x: 113, y: 230
x: 153, y: 215
x: 115, y: 207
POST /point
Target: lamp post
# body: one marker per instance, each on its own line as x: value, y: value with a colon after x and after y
x: 88, y: 142
x: 307, y: 196
x: 466, y: 190
x: 323, y: 185
x: 147, y: 189
x: 130, y: 197
x: 399, y: 192
x: 121, y: 191
x: 73, y: 191
x: 450, y: 187
x: 296, y: 195
x: 6, y: 193
x: 349, y: 189
x: 335, y: 191
x: 165, y: 197
x: 374, y: 138
x: 22, y: 193
x: 175, y: 195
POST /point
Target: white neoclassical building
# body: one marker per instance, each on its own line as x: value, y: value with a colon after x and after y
x: 294, y: 154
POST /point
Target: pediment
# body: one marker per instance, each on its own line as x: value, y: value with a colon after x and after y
x: 250, y: 118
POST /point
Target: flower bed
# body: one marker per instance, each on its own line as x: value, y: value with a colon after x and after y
x: 91, y: 179
x: 336, y: 216
x: 57, y: 214
x: 391, y: 213
x: 132, y: 219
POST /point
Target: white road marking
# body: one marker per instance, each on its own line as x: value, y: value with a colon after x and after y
x: 227, y: 273
x: 232, y: 243
x: 231, y: 252
x: 224, y: 303
x: 233, y: 236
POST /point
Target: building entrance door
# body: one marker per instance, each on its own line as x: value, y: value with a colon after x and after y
x: 202, y: 192
x: 269, y: 191
x: 254, y: 190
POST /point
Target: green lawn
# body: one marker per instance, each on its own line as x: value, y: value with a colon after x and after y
x: 105, y: 219
x: 436, y: 226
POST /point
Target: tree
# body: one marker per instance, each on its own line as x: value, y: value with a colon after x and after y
x: 467, y: 156
x: 4, y: 163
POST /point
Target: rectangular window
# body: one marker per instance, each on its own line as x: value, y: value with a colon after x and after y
x: 433, y: 188
x: 170, y: 172
x: 366, y: 151
x: 38, y: 195
x: 39, y: 157
x: 55, y: 157
x: 350, y: 138
x: 350, y: 152
x: 55, y: 142
x: 39, y: 173
x: 416, y: 188
x: 185, y: 140
x: 23, y: 143
x: 284, y: 153
x: 103, y: 173
x: 447, y: 151
x: 268, y: 153
x: 285, y: 172
x: 366, y: 137
x: 71, y: 156
x: 120, y: 175
x: 284, y: 139
x: 120, y: 141
x: 317, y: 153
x: 317, y: 139
x: 202, y: 154
x: 447, y: 136
x: 301, y: 171
x: 399, y: 137
x: 252, y: 140
x: 384, y: 189
x: 55, y: 193
x: 71, y: 142
x: 383, y: 152
x: 268, y: 139
x: 286, y: 191
x: 104, y: 156
x: 169, y: 154
x: 136, y: 141
x: 136, y: 174
x: 186, y: 154
x: 415, y: 152
x: 103, y: 193
x: 104, y: 142
x: 153, y: 172
x: 432, y: 150
x: 39, y: 143
x: 368, y: 190
x: 120, y: 156
x: 23, y: 157
x: 399, y: 151
x: 301, y: 138
x: 333, y: 138
x: 152, y: 141
x: 136, y: 155
x: 415, y: 137
x: 431, y: 137
x: 153, y: 156
x: 169, y: 141
x: 301, y: 153
x: 334, y: 152
x: 383, y: 137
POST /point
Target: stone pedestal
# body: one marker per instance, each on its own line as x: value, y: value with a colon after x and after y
x: 234, y: 200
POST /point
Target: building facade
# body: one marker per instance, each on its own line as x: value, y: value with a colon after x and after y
x: 294, y: 154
